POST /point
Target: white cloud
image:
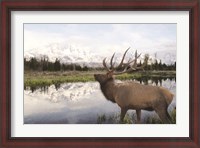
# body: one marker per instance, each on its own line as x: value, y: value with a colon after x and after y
x: 36, y: 39
x: 104, y: 39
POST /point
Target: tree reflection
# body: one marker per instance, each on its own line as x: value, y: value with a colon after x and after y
x: 154, y: 80
x: 57, y: 86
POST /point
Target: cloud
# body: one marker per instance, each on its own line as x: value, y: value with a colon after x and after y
x: 37, y: 39
x: 104, y: 39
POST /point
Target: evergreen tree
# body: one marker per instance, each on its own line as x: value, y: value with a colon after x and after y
x: 34, y: 64
x: 57, y: 65
x: 160, y: 66
x: 156, y: 65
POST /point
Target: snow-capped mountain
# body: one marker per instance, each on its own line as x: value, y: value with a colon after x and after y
x: 67, y: 53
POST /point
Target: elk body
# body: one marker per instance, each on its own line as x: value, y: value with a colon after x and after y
x: 132, y: 95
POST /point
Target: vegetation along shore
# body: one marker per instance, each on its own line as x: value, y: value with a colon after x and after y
x: 46, y: 78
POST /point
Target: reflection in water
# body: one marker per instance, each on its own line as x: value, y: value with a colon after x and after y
x: 154, y: 80
x: 78, y: 102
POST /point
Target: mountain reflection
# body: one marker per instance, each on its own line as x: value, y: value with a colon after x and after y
x: 66, y: 91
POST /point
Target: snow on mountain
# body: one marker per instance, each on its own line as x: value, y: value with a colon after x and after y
x: 168, y: 57
x: 67, y: 53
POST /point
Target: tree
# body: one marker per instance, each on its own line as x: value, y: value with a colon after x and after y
x: 26, y: 64
x: 146, y: 61
x: 34, y: 64
x: 57, y: 65
x: 160, y: 65
x: 155, y: 65
x: 44, y: 62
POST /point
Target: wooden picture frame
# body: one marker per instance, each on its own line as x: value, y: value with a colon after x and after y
x: 117, y: 5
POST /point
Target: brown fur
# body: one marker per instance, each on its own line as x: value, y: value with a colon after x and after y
x: 132, y: 95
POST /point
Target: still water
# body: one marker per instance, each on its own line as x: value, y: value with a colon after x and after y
x: 78, y: 103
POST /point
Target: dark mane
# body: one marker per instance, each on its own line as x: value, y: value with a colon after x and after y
x: 107, y: 89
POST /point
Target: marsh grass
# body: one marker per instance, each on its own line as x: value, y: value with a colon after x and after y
x: 38, y: 79
x: 46, y: 79
x: 130, y: 118
x: 101, y: 119
x: 115, y: 119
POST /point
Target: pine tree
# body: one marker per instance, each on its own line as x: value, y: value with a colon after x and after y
x: 57, y: 65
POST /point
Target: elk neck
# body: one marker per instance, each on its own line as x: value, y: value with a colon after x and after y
x: 108, y: 88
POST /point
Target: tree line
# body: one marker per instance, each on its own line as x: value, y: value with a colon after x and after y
x: 44, y: 64
x: 159, y: 66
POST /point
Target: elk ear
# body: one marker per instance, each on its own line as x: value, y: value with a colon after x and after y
x: 109, y: 74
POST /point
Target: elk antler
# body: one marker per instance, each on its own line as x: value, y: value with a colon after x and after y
x: 129, y: 66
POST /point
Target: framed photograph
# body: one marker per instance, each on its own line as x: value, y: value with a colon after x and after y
x: 100, y: 73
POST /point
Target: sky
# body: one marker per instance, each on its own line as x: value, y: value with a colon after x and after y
x: 103, y: 38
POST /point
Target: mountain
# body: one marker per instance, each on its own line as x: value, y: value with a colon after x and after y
x: 167, y: 57
x: 67, y: 53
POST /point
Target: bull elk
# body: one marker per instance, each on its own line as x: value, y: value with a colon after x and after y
x: 132, y: 95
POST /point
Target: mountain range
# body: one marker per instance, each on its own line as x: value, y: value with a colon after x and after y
x: 67, y: 53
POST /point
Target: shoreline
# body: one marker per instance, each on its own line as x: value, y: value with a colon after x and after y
x: 46, y: 78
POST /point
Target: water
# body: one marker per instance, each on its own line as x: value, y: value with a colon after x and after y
x: 78, y: 103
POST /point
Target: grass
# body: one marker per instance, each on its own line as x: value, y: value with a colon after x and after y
x: 38, y: 79
x: 101, y: 119
x: 115, y: 119
x: 49, y: 78
x: 131, y: 119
